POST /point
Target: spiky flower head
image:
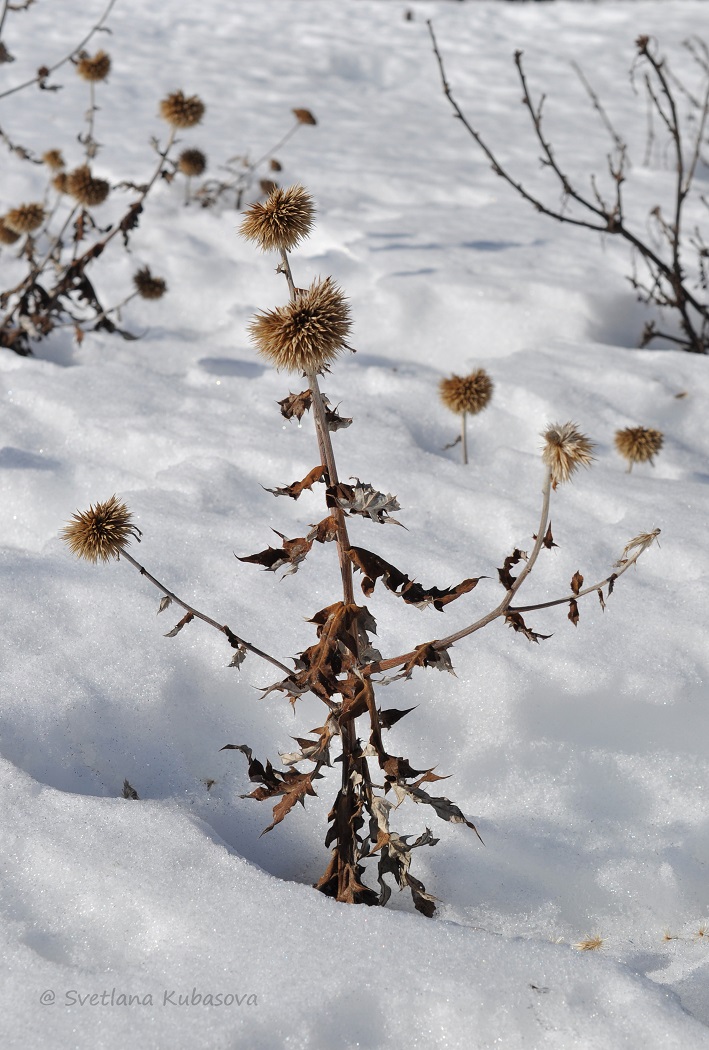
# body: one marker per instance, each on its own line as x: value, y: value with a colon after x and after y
x: 638, y: 444
x: 85, y: 188
x: 25, y: 219
x: 180, y: 111
x: 7, y: 236
x: 469, y: 393
x: 60, y: 182
x: 304, y: 116
x: 94, y: 69
x: 308, y: 333
x: 101, y: 532
x: 565, y: 450
x: 281, y: 221
x: 148, y: 286
x: 192, y: 162
x: 53, y: 159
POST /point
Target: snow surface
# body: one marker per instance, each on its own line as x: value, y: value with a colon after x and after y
x: 582, y: 760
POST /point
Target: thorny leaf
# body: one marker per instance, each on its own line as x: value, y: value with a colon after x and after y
x: 423, y: 656
x: 292, y: 553
x: 395, y: 860
x: 548, y: 540
x: 296, y: 404
x: 334, y: 420
x: 324, y: 532
x: 443, y: 807
x: 611, y: 583
x: 576, y: 582
x: 129, y: 791
x: 130, y: 220
x: 574, y: 612
x: 317, y: 751
x: 165, y: 601
x: 515, y: 621
x: 364, y: 500
x: 506, y: 577
x: 294, y: 490
x: 392, y: 715
x: 600, y: 598
x: 178, y: 627
x: 293, y: 786
x: 238, y: 657
x: 373, y: 568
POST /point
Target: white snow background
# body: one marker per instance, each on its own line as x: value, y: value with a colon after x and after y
x: 582, y: 760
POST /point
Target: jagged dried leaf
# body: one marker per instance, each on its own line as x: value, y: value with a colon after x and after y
x: 361, y: 498
x: 292, y: 553
x: 296, y: 404
x: 373, y: 568
x: 324, y: 531
x: 548, y: 540
x: 165, y: 602
x: 601, y: 600
x: 392, y: 715
x: 443, y: 807
x: 574, y: 611
x: 295, y: 490
x: 335, y: 421
x: 576, y: 582
x: 611, y: 583
x: 290, y: 784
x: 425, y: 655
x: 129, y: 791
x: 178, y: 626
x: 515, y: 621
x: 506, y: 577
x: 238, y: 657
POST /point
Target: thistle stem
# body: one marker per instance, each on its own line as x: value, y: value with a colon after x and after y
x: 234, y: 639
x: 464, y: 436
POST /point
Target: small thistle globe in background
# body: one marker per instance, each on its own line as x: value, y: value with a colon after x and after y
x: 638, y: 444
x: 25, y: 219
x: 94, y: 69
x: 466, y: 395
x: 192, y: 162
x: 148, y: 286
x: 7, y: 236
x: 53, y: 159
x: 181, y: 111
x: 85, y: 188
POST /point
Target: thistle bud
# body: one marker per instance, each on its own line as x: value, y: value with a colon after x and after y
x: 565, y: 450
x: 101, y: 532
x: 638, y: 444
x: 25, y: 219
x: 94, y: 69
x: 283, y: 220
x: 181, y: 111
x: 85, y: 188
x: 471, y: 393
x: 308, y: 333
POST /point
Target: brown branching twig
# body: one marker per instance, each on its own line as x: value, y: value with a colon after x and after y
x: 670, y: 286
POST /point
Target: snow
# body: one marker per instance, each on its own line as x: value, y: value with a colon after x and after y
x: 582, y: 760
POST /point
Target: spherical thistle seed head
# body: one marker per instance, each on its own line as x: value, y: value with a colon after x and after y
x: 565, y: 450
x: 148, y: 286
x: 180, y: 111
x: 96, y: 68
x: 86, y: 189
x: 304, y: 116
x: 53, y: 159
x: 25, y: 219
x: 638, y: 444
x: 308, y: 333
x: 283, y: 220
x: 192, y: 162
x: 60, y: 182
x: 7, y: 236
x: 470, y: 393
x: 101, y: 532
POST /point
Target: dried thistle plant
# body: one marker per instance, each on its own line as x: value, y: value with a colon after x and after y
x: 282, y: 221
x: 62, y: 237
x: 638, y: 444
x: 590, y: 944
x: 466, y: 395
x: 342, y: 668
